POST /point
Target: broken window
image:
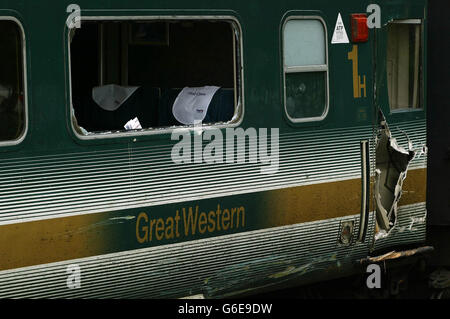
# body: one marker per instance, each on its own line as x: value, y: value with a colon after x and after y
x: 130, y: 75
x: 404, y: 64
x: 305, y: 69
x: 12, y: 101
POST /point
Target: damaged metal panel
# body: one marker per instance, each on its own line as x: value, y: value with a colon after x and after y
x: 398, y: 222
x: 223, y: 265
x: 392, y: 255
x: 392, y: 163
x: 410, y: 228
x: 399, y: 188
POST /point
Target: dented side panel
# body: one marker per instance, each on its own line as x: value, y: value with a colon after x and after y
x: 400, y: 131
x: 406, y: 194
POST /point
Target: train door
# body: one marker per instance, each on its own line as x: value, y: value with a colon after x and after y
x: 328, y: 101
x: 400, y: 150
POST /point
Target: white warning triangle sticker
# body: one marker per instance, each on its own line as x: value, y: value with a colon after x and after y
x: 339, y: 35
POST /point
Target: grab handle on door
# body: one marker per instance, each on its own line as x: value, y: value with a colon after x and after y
x: 365, y: 190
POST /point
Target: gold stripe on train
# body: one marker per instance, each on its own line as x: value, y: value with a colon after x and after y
x: 58, y: 239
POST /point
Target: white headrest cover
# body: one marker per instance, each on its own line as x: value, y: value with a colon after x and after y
x: 191, y: 105
x: 110, y: 97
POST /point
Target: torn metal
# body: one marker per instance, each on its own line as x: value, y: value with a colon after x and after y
x: 249, y: 276
x: 396, y: 255
x: 392, y: 162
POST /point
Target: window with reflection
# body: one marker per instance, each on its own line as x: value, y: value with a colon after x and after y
x: 305, y: 69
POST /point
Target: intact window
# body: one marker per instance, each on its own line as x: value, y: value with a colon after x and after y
x: 305, y: 64
x: 404, y: 65
x: 130, y: 75
x: 12, y: 102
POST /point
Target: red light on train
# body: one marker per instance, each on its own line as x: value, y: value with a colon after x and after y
x: 360, y: 30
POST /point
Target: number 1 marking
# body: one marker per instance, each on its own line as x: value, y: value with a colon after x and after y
x: 357, y: 85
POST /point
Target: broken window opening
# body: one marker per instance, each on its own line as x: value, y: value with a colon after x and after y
x: 134, y: 75
x: 12, y: 86
x: 404, y: 65
x: 392, y: 162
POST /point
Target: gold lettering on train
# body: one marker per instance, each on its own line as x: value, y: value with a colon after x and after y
x: 187, y: 222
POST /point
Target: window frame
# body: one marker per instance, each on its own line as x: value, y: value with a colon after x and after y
x: 24, y: 132
x: 303, y: 69
x: 238, y: 71
x: 420, y: 22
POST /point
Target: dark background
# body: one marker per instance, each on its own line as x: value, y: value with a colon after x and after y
x: 438, y: 113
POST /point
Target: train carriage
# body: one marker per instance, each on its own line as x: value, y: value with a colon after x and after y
x: 304, y: 149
